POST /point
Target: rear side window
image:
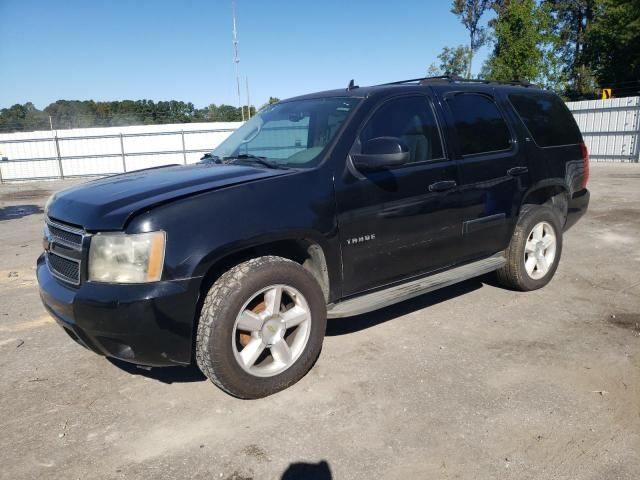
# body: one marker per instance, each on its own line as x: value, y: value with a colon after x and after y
x: 480, y: 125
x: 547, y: 119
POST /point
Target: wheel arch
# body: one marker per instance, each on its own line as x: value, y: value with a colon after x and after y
x: 552, y: 193
x: 302, y: 249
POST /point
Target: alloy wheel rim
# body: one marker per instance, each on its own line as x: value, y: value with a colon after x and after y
x: 271, y: 331
x: 540, y: 250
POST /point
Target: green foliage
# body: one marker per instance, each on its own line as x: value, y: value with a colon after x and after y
x: 519, y: 33
x: 24, y: 117
x: 469, y: 12
x: 612, y: 44
x: 271, y: 101
x: 87, y: 113
x: 571, y: 22
x: 453, y: 61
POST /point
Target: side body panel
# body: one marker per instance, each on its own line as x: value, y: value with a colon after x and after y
x: 491, y: 185
x: 392, y: 227
x: 205, y: 228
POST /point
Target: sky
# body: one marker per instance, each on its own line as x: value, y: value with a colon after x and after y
x: 181, y: 50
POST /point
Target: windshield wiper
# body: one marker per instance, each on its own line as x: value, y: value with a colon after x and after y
x: 254, y: 159
x: 210, y: 157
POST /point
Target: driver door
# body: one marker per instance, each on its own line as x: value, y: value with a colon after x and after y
x: 404, y: 221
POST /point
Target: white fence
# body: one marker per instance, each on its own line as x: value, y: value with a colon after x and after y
x: 103, y: 151
x: 611, y: 129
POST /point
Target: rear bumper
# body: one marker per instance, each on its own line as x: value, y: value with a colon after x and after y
x: 578, y: 205
x: 146, y: 324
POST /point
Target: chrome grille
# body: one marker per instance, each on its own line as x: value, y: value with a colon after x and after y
x: 65, y: 235
x: 64, y: 251
x: 64, y: 268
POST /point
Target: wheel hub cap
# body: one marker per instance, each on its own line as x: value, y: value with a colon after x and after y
x: 272, y: 331
x: 540, y: 250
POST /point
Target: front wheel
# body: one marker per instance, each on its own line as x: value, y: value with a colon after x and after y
x: 261, y: 327
x: 534, y: 251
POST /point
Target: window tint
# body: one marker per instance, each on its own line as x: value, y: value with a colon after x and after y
x: 411, y: 120
x: 479, y: 124
x: 547, y: 119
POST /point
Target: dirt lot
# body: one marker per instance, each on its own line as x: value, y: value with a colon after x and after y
x: 469, y: 382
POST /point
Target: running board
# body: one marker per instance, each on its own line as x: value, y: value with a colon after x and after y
x: 398, y: 293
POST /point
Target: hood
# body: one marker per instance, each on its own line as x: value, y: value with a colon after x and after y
x: 108, y: 203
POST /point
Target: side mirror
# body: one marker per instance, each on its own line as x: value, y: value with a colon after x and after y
x: 381, y: 153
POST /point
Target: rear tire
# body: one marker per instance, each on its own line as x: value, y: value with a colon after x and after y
x: 261, y: 327
x: 534, y: 251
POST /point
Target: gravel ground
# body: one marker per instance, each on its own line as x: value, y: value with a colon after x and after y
x: 472, y: 381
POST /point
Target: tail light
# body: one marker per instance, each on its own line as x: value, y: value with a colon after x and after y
x: 585, y: 163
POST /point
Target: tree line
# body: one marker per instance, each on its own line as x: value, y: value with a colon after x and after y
x: 64, y: 114
x: 574, y: 47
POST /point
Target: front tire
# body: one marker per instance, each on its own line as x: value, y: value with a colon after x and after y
x: 261, y: 327
x: 534, y: 251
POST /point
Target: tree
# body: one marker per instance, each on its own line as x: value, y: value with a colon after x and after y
x: 612, y: 45
x: 87, y: 113
x: 519, y: 34
x: 453, y: 61
x: 470, y: 12
x: 271, y: 101
x: 572, y: 21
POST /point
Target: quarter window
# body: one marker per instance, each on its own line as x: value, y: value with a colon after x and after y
x: 480, y: 125
x: 547, y: 119
x: 411, y: 120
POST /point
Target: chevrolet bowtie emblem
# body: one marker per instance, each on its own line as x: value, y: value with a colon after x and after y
x: 46, y: 244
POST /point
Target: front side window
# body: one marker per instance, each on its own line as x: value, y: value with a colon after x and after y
x: 411, y: 120
x: 479, y: 124
x: 288, y: 134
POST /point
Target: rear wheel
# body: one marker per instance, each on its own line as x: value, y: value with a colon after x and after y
x: 534, y: 251
x: 261, y: 327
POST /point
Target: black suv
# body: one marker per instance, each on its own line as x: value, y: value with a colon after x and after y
x: 327, y: 205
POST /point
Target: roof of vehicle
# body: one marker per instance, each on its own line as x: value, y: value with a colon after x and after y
x: 417, y: 84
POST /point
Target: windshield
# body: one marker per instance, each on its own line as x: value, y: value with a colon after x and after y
x: 288, y: 134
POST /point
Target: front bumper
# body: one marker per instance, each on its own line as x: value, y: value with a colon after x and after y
x: 146, y: 324
x: 578, y: 205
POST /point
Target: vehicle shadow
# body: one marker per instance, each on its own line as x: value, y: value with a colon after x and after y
x: 308, y: 471
x: 187, y: 374
x: 13, y: 212
x: 345, y: 326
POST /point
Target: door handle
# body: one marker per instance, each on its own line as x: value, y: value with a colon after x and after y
x: 443, y: 186
x: 515, y: 171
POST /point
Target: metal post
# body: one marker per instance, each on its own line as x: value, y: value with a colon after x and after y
x: 124, y: 162
x: 636, y: 114
x: 184, y: 150
x: 59, y: 157
x: 248, y: 101
x: 1, y: 181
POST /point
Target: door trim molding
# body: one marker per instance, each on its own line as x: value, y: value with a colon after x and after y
x: 481, y: 223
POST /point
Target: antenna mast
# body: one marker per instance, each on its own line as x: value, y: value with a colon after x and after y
x: 236, y: 56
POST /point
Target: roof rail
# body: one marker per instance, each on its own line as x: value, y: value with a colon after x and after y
x: 458, y: 79
x: 422, y: 79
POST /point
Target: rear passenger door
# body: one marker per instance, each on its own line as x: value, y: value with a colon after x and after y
x: 491, y: 169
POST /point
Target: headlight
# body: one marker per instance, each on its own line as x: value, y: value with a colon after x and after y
x: 122, y: 258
